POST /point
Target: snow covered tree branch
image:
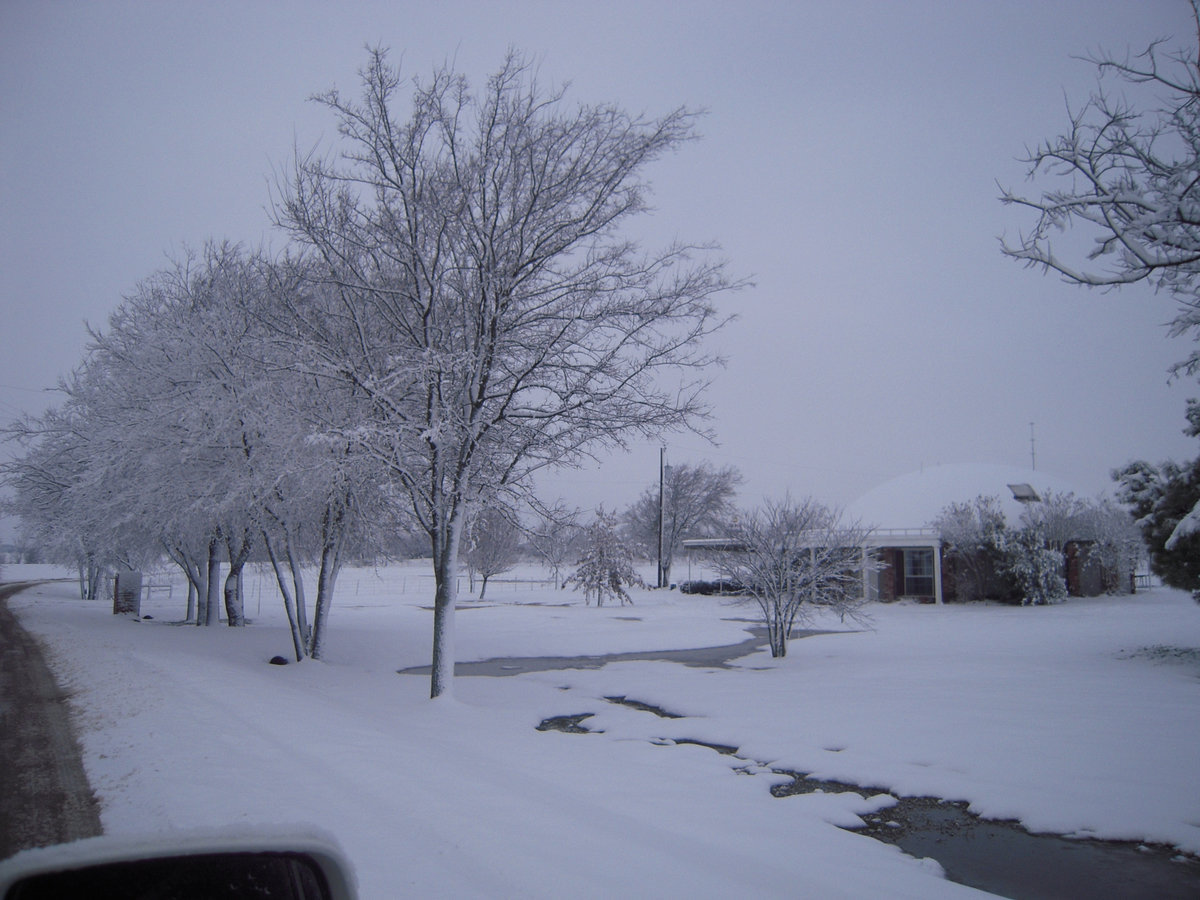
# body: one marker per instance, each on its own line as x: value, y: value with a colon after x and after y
x: 1130, y: 181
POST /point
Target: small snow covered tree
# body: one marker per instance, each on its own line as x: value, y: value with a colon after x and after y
x: 49, y: 494
x: 1103, y: 532
x: 606, y: 568
x: 1060, y: 517
x: 1035, y: 569
x: 794, y: 558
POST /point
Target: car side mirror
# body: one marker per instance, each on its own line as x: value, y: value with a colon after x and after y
x: 220, y: 867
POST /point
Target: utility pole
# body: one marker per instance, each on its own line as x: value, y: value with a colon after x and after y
x: 1032, y: 449
x: 662, y: 483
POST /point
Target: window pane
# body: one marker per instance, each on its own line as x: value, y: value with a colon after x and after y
x: 918, y: 572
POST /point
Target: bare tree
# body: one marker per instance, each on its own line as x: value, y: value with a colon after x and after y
x: 1130, y: 180
x: 487, y: 306
x: 554, y: 537
x: 696, y: 501
x: 492, y: 541
x: 973, y: 535
x: 793, y: 558
x: 1117, y: 543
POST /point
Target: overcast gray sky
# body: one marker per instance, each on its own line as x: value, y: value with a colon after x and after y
x: 849, y: 166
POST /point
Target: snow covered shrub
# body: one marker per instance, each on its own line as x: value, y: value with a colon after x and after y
x: 606, y: 566
x: 1035, y: 570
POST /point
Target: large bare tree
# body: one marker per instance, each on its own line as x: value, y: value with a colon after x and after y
x: 488, y: 305
x: 695, y: 501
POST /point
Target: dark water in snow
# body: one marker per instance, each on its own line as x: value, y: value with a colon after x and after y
x: 702, y: 657
x: 999, y: 857
x: 1003, y: 858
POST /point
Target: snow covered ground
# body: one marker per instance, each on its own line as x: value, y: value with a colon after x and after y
x: 1080, y: 719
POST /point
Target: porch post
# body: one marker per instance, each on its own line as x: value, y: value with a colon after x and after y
x: 937, y: 572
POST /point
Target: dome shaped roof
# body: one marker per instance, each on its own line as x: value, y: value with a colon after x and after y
x: 916, y: 499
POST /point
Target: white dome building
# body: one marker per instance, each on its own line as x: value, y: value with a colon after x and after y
x: 916, y: 499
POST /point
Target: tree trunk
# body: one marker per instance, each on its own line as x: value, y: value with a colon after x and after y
x: 298, y: 586
x: 483, y: 587
x: 442, y: 672
x: 238, y: 554
x: 89, y: 578
x: 445, y: 565
x: 326, y: 579
x: 288, y: 606
x: 778, y: 640
x: 235, y: 615
x: 331, y: 553
x: 212, y: 599
x: 201, y: 592
x: 194, y: 576
x: 777, y: 633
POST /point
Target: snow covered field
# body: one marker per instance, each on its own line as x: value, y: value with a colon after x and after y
x: 1080, y: 719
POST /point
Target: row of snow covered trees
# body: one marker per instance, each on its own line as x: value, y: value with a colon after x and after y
x: 1026, y: 563
x: 457, y: 309
x: 189, y: 431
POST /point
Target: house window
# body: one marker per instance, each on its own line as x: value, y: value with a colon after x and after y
x: 918, y: 572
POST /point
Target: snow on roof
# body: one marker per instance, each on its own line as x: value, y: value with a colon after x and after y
x: 916, y: 499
